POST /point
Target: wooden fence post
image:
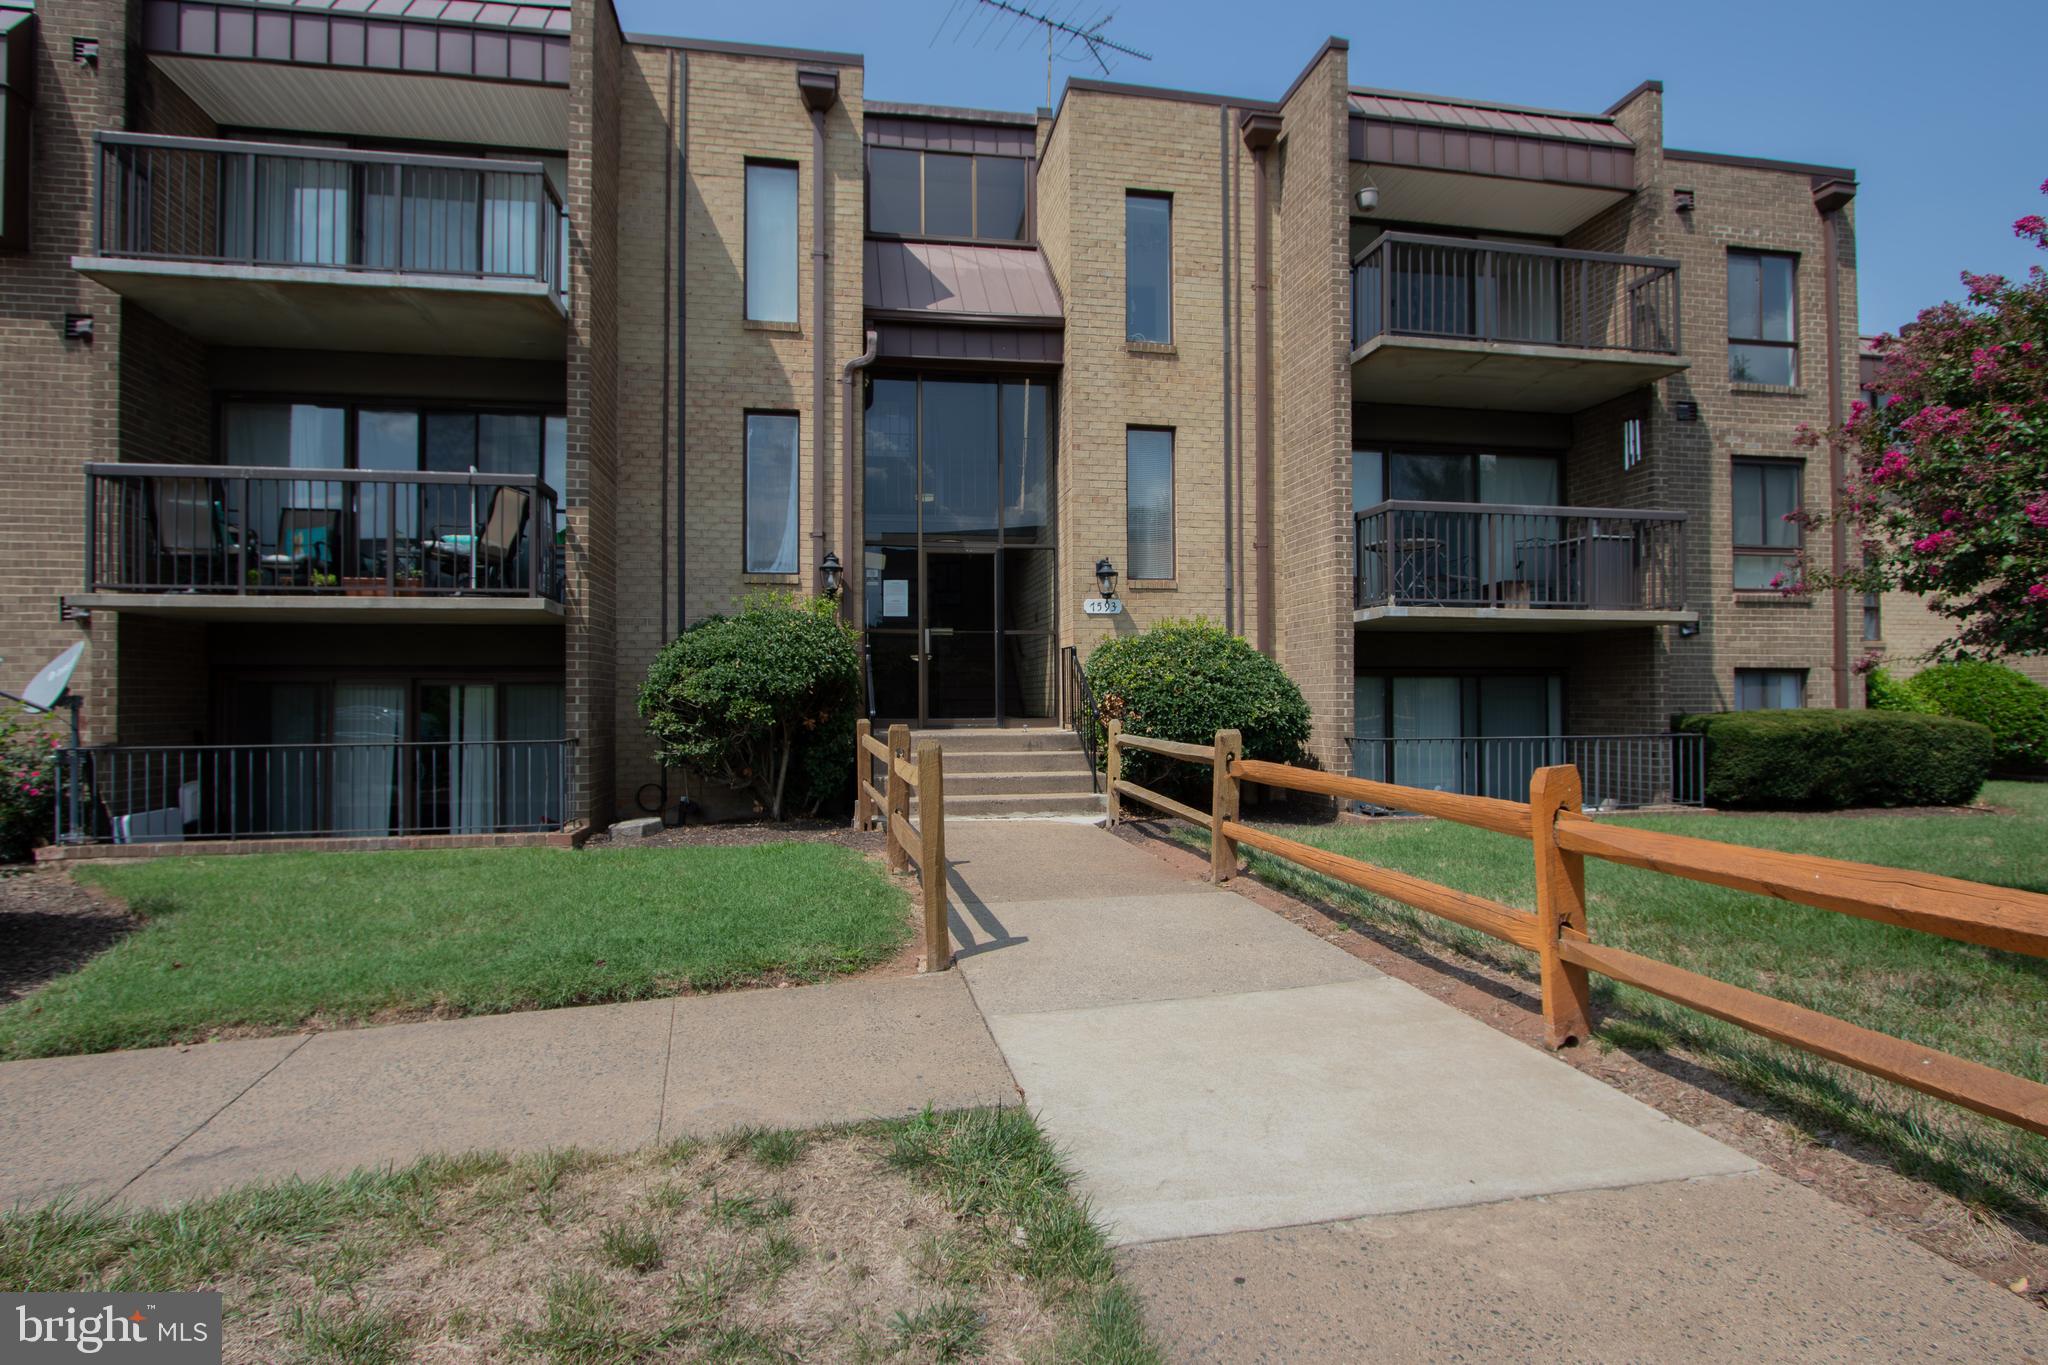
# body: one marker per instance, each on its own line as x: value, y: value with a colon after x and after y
x: 1113, y: 771
x: 931, y: 857
x: 1560, y: 906
x: 1223, y: 805
x: 863, y: 768
x: 894, y: 855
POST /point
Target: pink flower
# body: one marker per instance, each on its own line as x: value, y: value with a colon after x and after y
x: 1894, y: 465
x: 1894, y: 400
x: 1986, y: 358
x: 2033, y: 225
x: 2037, y: 512
x: 1950, y: 516
x: 2038, y: 592
x: 1985, y: 287
x: 1934, y: 543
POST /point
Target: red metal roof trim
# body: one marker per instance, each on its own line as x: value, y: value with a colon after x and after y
x: 1488, y: 119
x: 941, y: 280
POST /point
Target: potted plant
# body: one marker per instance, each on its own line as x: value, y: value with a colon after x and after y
x: 411, y: 583
x: 352, y: 586
x: 322, y: 580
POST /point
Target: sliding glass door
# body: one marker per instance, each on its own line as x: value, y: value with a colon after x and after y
x: 1480, y: 734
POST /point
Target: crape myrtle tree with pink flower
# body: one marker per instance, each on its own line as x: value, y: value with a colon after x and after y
x: 1948, y: 472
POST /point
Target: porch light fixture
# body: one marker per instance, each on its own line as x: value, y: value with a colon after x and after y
x: 85, y: 51
x: 1367, y: 199
x: 1682, y: 201
x: 834, y: 571
x: 78, y: 327
x: 1105, y: 577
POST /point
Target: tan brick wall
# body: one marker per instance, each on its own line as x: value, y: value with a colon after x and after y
x: 1104, y: 145
x: 1312, y: 397
x: 716, y: 366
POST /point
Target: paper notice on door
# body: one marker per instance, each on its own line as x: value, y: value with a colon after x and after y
x: 895, y: 597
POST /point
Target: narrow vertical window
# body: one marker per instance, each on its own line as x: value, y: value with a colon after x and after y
x: 1148, y: 501
x: 771, y: 263
x: 1148, y: 268
x: 1767, y: 538
x: 1762, y: 319
x: 1631, y: 443
x: 772, y: 487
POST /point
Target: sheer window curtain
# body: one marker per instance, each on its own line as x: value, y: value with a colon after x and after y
x: 473, y: 770
x: 1148, y: 521
x: 773, y: 488
x: 533, y: 756
x: 369, y: 718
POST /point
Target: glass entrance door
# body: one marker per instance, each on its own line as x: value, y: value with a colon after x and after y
x: 957, y: 566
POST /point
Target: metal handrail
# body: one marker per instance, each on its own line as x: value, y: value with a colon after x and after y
x: 1503, y: 555
x: 1626, y: 770
x: 1518, y: 249
x: 210, y: 144
x: 1522, y: 510
x: 1077, y: 698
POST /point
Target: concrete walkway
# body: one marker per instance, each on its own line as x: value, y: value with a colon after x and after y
x: 1304, y: 1159
x: 1299, y: 1157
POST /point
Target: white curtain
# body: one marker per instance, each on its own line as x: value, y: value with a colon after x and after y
x: 289, y: 769
x: 1520, y: 548
x: 772, y: 490
x: 533, y: 764
x: 1428, y: 716
x: 370, y: 715
x: 771, y: 266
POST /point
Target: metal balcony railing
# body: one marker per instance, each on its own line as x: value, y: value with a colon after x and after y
x: 327, y: 209
x: 154, y: 794
x: 1410, y: 285
x: 1451, y: 554
x: 162, y: 528
x: 1617, y: 770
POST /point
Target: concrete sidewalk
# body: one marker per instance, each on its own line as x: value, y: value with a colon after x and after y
x: 1304, y: 1159
x: 167, y: 1124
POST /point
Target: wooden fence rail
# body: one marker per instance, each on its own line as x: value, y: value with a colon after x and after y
x: 889, y: 805
x: 1563, y: 837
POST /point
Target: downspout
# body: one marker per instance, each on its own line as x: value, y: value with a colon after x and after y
x: 682, y: 316
x: 1830, y: 199
x: 851, y: 600
x: 1229, y: 386
x: 668, y: 212
x: 1261, y: 131
x: 820, y: 90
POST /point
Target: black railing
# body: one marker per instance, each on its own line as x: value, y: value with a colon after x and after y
x: 1077, y: 708
x: 1451, y: 554
x: 332, y: 532
x: 1618, y: 770
x: 155, y: 794
x: 322, y: 208
x: 1406, y: 284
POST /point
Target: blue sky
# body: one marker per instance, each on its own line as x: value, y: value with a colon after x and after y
x: 1937, y: 106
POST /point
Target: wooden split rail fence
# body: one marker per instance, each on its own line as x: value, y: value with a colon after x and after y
x: 923, y: 843
x: 1563, y: 837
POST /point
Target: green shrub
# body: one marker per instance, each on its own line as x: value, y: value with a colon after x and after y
x: 1883, y: 692
x: 1828, y: 760
x: 2012, y: 706
x: 764, y: 700
x: 28, y: 780
x: 1185, y: 680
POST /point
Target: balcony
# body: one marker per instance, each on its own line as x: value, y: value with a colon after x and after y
x: 261, y: 245
x: 381, y: 789
x: 1447, y: 322
x: 1456, y: 566
x: 233, y: 542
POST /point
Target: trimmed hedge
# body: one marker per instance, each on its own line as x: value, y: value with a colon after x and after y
x: 1185, y: 680
x: 2012, y: 706
x: 1883, y: 692
x: 1829, y: 760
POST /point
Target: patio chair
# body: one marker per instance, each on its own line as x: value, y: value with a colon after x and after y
x: 188, y: 535
x: 483, y: 557
x: 306, y: 540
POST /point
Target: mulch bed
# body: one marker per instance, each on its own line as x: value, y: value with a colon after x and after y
x: 2003, y: 1250
x: 50, y: 925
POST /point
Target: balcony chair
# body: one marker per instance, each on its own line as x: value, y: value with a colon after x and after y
x: 306, y: 539
x: 482, y: 557
x: 190, y: 544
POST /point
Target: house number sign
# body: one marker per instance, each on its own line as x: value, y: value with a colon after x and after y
x: 1103, y: 606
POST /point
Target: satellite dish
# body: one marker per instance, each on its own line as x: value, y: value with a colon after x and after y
x: 46, y: 689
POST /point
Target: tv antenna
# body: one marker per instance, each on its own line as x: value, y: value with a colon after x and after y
x: 1068, y: 36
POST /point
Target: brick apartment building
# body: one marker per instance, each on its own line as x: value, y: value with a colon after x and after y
x: 384, y: 384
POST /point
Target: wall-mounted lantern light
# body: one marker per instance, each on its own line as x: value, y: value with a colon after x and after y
x: 1105, y: 577
x: 78, y: 327
x: 834, y: 573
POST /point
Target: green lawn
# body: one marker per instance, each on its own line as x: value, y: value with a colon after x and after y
x: 1988, y: 1006
x: 272, y: 941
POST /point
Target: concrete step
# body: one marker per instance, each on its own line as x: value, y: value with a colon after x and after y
x: 1018, y: 784
x: 983, y: 807
x: 985, y: 741
x: 1016, y: 761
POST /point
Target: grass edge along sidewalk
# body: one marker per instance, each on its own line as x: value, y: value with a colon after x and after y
x: 684, y: 1247
x: 1975, y: 1002
x: 268, y: 943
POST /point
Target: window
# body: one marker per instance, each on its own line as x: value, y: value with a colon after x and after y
x: 1631, y: 443
x: 1148, y: 501
x: 1481, y: 734
x: 1766, y: 541
x: 772, y: 488
x: 1148, y: 268
x: 914, y: 193
x: 1770, y: 689
x: 1762, y: 317
x: 771, y: 264
x: 1873, y: 617
x: 17, y: 54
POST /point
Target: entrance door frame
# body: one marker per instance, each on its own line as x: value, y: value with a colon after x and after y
x: 1049, y: 381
